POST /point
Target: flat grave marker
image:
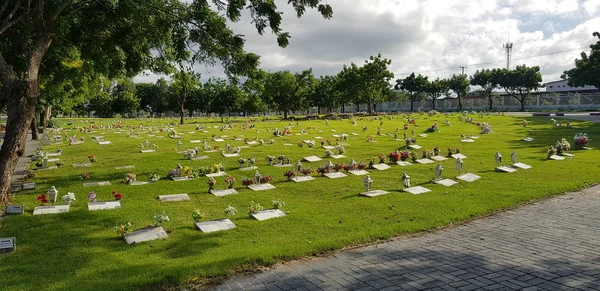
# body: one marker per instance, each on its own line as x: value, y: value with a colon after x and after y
x: 288, y: 144
x: 138, y: 183
x: 374, y: 193
x: 528, y: 139
x: 468, y: 177
x: 53, y: 154
x: 199, y: 158
x: 358, y: 172
x: 104, y: 142
x: 52, y: 209
x: 311, y: 159
x: 221, y: 193
x: 28, y: 186
x: 82, y: 165
x: 147, y: 151
x: 415, y: 146
x: 106, y: 205
x: 424, y: 161
x: 231, y: 155
x: 459, y: 156
x: 173, y: 198
x: 403, y: 163
x: 381, y: 167
x: 446, y: 182
x: 103, y: 183
x: 195, y: 141
x: 335, y: 175
x: 416, y: 190
x: 568, y: 155
x: 124, y: 167
x: 218, y: 140
x: 468, y: 140
x: 267, y: 214
x: 302, y: 178
x: 214, y: 225
x: 354, y: 133
x: 146, y: 234
x: 217, y: 174
x: 14, y: 209
x: 249, y: 168
x: 261, y: 187
x: 8, y: 244
x: 521, y: 166
x: 184, y: 178
x: 438, y: 158
x: 338, y: 156
x: 252, y: 142
x: 210, y: 151
x: 282, y: 165
x: 328, y: 147
x: 505, y: 169
x: 557, y: 157
x: 53, y: 160
x: 47, y: 168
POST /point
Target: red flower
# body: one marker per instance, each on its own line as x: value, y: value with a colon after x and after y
x: 42, y: 198
x: 118, y: 196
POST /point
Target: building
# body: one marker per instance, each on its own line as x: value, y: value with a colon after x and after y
x: 562, y: 86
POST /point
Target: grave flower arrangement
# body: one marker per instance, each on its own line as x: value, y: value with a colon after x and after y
x: 154, y: 177
x: 410, y: 141
x: 230, y: 211
x: 404, y: 155
x: 230, y: 181
x: 189, y: 154
x: 211, y: 184
x: 361, y: 166
x: 254, y: 207
x: 436, y: 151
x: 251, y: 162
x: 159, y: 219
x: 130, y: 177
x: 427, y: 154
x: 394, y: 157
x: 242, y: 161
x: 92, y: 197
x: 289, y: 174
x: 306, y: 172
x: 124, y: 229
x: 341, y: 150
x: 117, y: 195
x: 581, y: 140
x: 42, y: 198
x: 247, y: 182
x: 328, y: 154
x: 300, y: 144
x: 70, y: 197
x: 277, y: 204
x: 452, y: 151
x: 486, y: 128
x: 266, y: 179
x: 551, y: 151
x: 370, y: 139
x: 322, y: 170
x: 85, y: 176
x: 413, y: 156
x: 92, y: 158
x: 349, y: 168
x: 381, y: 159
x: 338, y: 167
x: 433, y: 128
x: 270, y: 159
x: 562, y: 146
x: 198, y: 216
x: 59, y: 164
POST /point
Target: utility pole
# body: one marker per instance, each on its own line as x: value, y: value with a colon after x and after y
x: 508, y: 48
x: 463, y: 69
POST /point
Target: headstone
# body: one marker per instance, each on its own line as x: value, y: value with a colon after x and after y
x: 311, y: 159
x: 124, y: 167
x: 438, y: 158
x: 415, y: 146
x: 147, y: 151
x: 248, y: 168
x: 446, y: 182
x: 218, y: 139
x: 468, y: 177
x: 173, y: 198
x: 184, y: 178
x: 282, y: 165
x: 214, y: 225
x: 424, y: 161
x: 53, y: 154
x: 221, y: 193
x: 468, y: 140
x: 422, y: 135
x: 252, y: 142
x: 557, y: 158
x: 328, y: 147
x: 107, y: 205
x: 505, y: 169
x: 14, y: 209
x: 302, y: 178
x: 217, y: 174
x: 381, y: 167
x: 267, y: 214
x: 82, y: 165
x: 105, y: 142
x: 8, y: 244
x: 335, y: 135
x: 416, y: 190
x: 521, y: 166
x: 374, y: 193
x: 146, y: 234
x: 195, y: 141
x: 288, y: 144
x: 231, y: 155
x: 335, y: 175
x: 138, y: 183
x: 28, y: 186
x: 47, y: 168
x: 104, y: 183
x: 529, y: 139
x: 461, y: 156
x: 53, y: 209
x: 354, y: 133
x: 53, y: 160
x: 338, y: 156
x: 568, y: 155
x: 199, y: 158
x: 358, y: 172
x: 261, y: 187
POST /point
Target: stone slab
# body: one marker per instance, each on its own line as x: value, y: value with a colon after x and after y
x: 328, y: 147
x: 336, y: 135
x: 47, y: 168
x: 505, y: 169
x: 403, y: 163
x: 282, y: 165
x: 438, y: 158
x: 528, y: 139
x: 467, y: 140
x: 8, y: 244
x: 468, y: 177
x: 221, y: 193
x: 424, y: 161
x: 184, y: 178
x: 568, y: 155
x: 195, y: 141
x: 124, y: 167
x: 53, y: 160
x: 557, y: 157
x: 211, y: 151
x: 374, y: 193
x: 335, y: 175
x: 82, y: 165
x: 446, y: 182
x: 415, y: 146
x: 231, y: 155
x: 199, y: 158
x: 103, y: 183
x: 416, y: 190
x: 252, y: 142
x: 146, y: 234
x: 267, y: 214
x: 288, y: 144
x: 261, y: 187
x: 53, y: 154
x: 381, y: 167
x: 14, y: 209
x: 52, y: 209
x: 214, y: 225
x: 459, y: 156
x: 138, y: 183
x: 173, y: 198
x: 28, y: 186
x: 248, y: 168
x: 107, y: 205
x: 311, y: 159
x: 358, y: 172
x: 218, y: 139
x: 217, y: 174
x: 105, y: 142
x: 338, y: 156
x: 521, y: 166
x: 147, y: 151
x: 302, y: 178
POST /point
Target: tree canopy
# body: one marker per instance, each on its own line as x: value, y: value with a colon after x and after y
x: 520, y: 82
x: 587, y: 69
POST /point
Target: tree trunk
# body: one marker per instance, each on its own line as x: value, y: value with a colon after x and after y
x: 34, y: 132
x: 411, y: 104
x: 191, y: 113
x: 370, y: 106
x: 522, y: 100
x: 459, y: 104
x: 22, y: 97
x: 433, y: 103
x: 181, y: 114
x: 285, y: 113
x: 491, y: 101
x: 374, y: 107
x: 357, y: 107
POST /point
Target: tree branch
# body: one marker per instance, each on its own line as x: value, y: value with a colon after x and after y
x: 7, y: 23
x: 58, y: 11
x: 6, y: 71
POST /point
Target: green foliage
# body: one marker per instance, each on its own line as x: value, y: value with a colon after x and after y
x: 520, y: 82
x: 587, y: 69
x: 460, y: 85
x: 414, y: 86
x: 488, y: 80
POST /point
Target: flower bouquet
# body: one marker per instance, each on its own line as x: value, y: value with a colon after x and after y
x: 394, y: 157
x: 270, y: 159
x: 289, y: 174
x: 306, y: 172
x: 154, y: 177
x: 230, y: 181
x: 124, y: 229
x: 70, y: 197
x: 551, y: 151
x: 254, y: 208
x: 42, y: 198
x: 361, y: 166
x: 230, y: 211
x: 159, y: 219
x: 130, y: 177
x: 247, y: 182
x: 198, y: 216
x: 562, y: 146
x: 266, y: 179
x: 322, y: 170
x: 277, y: 204
x: 92, y: 158
x: 117, y: 195
x: 581, y: 140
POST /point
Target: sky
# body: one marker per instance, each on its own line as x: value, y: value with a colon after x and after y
x: 431, y: 37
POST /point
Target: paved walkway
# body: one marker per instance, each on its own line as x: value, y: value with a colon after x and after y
x: 549, y: 245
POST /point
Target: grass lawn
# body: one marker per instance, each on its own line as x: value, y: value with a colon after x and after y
x: 80, y: 250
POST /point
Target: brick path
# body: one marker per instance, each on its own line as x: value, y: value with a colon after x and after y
x: 549, y: 245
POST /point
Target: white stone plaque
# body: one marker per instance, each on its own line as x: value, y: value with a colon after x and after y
x: 103, y: 183
x: 335, y: 135
x: 529, y: 139
x: 422, y: 135
x: 7, y: 244
x: 221, y: 193
x: 107, y: 205
x: 53, y: 160
x: 173, y: 198
x: 28, y: 186
x: 267, y: 214
x: 308, y: 141
x: 146, y: 234
x: 374, y: 193
x: 468, y: 177
x: 505, y: 169
x: 230, y: 155
x: 438, y: 158
x: 195, y: 141
x: 47, y: 168
x: 211, y: 151
x: 556, y: 157
x: 82, y: 165
x: 53, y: 154
x: 252, y: 142
x: 302, y: 178
x: 218, y: 139
x: 53, y: 209
x: 568, y: 155
x: 381, y: 167
x: 217, y: 174
x: 199, y: 158
x: 338, y: 156
x: 467, y: 140
x: 124, y: 167
x: 424, y: 161
x: 105, y: 142
x: 403, y: 163
x: 312, y: 159
x: 335, y: 175
x: 415, y: 146
x: 147, y: 151
x: 261, y: 187
x: 446, y: 182
x: 184, y: 178
x: 14, y: 209
x: 328, y: 147
x: 249, y: 168
x: 459, y: 156
x: 354, y: 133
x: 282, y: 165
x: 358, y: 172
x: 214, y: 225
x: 318, y: 137
x: 138, y: 183
x: 521, y: 166
x: 416, y: 190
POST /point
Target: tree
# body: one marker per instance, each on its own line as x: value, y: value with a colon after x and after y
x: 460, y: 85
x: 587, y: 69
x: 435, y: 89
x: 124, y: 99
x: 375, y: 80
x: 117, y: 38
x: 326, y: 93
x: 305, y: 88
x: 520, y: 82
x: 415, y: 86
x: 185, y: 83
x: 280, y: 90
x: 488, y: 81
x: 253, y: 89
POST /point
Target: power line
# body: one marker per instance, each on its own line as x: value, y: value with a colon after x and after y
x: 495, y: 62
